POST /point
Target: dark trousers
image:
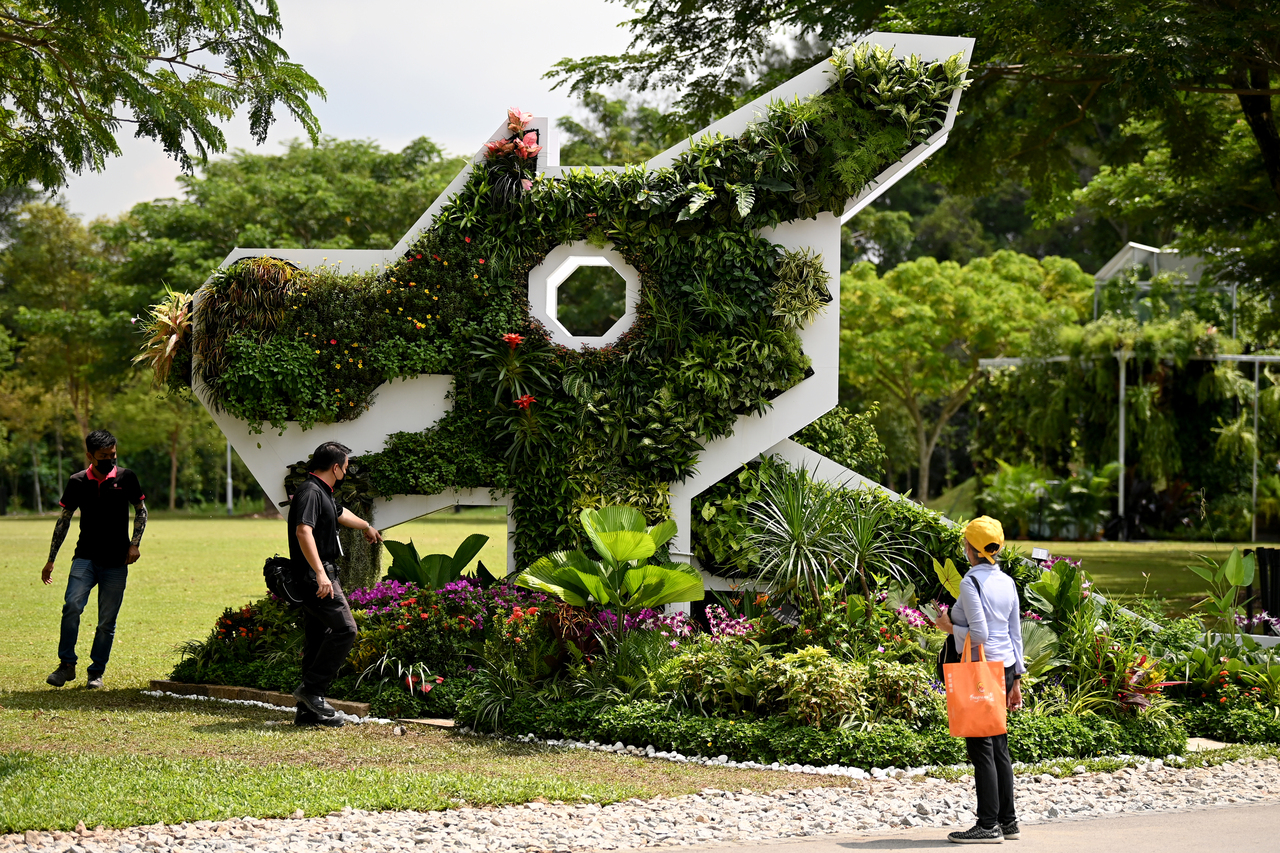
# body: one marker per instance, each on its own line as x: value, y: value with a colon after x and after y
x: 330, y: 632
x: 110, y: 581
x: 993, y: 772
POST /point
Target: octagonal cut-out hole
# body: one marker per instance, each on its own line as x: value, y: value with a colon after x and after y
x: 591, y: 299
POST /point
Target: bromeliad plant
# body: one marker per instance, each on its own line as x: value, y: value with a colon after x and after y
x: 623, y: 578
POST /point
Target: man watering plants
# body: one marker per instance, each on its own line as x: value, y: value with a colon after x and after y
x: 330, y: 629
x: 987, y: 611
x: 102, y: 492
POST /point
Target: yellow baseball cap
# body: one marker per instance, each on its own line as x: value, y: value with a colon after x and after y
x: 986, y: 536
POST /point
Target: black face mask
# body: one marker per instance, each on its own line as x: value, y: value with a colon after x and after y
x: 104, y: 466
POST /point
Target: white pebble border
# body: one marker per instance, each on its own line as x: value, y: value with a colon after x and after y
x: 709, y: 817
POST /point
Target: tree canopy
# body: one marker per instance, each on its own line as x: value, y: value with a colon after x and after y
x: 335, y: 194
x: 1050, y: 79
x: 914, y: 336
x: 74, y: 72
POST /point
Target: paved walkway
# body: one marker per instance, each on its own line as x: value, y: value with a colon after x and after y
x: 1237, y: 829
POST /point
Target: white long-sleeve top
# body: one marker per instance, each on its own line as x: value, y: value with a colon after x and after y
x: 992, y: 619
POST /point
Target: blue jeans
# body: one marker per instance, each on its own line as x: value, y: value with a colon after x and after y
x: 84, y: 576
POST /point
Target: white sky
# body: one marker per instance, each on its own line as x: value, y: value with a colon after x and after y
x: 395, y: 70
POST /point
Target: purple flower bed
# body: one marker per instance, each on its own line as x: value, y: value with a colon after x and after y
x: 648, y: 619
x: 383, y: 597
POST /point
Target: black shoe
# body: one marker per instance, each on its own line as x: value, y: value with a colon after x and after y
x: 978, y: 835
x: 314, y: 702
x: 94, y: 682
x: 1010, y: 830
x: 60, y: 676
x: 305, y: 717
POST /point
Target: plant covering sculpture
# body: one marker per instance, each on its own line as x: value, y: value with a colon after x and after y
x: 733, y: 238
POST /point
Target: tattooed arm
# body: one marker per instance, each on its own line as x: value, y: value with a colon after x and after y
x: 60, y: 528
x: 139, y: 525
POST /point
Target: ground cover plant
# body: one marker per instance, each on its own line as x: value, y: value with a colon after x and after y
x: 825, y: 656
x: 715, y: 337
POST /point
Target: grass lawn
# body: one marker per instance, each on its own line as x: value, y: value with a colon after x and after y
x: 119, y: 758
x: 1128, y: 570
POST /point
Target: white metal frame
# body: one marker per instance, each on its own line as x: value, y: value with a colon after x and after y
x: 417, y: 403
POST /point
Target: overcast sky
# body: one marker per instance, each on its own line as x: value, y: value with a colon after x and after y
x: 395, y: 70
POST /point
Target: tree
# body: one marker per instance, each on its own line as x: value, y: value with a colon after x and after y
x: 1219, y: 207
x: 333, y: 194
x: 71, y: 320
x: 141, y: 418
x: 618, y: 133
x: 72, y: 73
x: 1050, y: 79
x: 916, y: 334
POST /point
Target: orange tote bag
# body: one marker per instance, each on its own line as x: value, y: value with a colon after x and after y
x: 975, y: 695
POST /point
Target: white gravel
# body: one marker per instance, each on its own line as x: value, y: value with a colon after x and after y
x: 706, y: 818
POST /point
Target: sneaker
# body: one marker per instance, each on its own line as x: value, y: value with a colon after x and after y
x: 94, y: 682
x: 305, y: 717
x: 60, y: 676
x: 314, y: 702
x: 978, y: 835
x: 1010, y: 830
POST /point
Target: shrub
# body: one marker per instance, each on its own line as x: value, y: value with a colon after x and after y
x: 891, y: 743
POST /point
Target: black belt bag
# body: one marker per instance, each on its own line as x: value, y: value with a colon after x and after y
x: 282, y: 580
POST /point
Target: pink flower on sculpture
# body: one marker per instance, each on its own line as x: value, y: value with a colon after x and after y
x: 526, y: 184
x: 517, y: 120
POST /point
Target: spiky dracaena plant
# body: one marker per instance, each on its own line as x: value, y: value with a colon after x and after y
x: 800, y: 533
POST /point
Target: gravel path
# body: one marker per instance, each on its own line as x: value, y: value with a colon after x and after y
x: 706, y: 818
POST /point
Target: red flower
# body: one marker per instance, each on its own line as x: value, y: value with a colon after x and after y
x: 468, y: 239
x: 424, y: 616
x: 525, y: 401
x: 513, y: 340
x: 482, y: 260
x: 333, y: 340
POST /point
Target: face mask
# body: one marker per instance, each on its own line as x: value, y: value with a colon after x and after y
x: 104, y: 466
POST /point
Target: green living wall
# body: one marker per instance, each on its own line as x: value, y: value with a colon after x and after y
x: 715, y: 336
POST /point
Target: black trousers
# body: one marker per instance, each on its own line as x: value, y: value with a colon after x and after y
x: 330, y: 632
x: 993, y: 772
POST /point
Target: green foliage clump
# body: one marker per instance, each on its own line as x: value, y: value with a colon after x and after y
x: 888, y: 744
x: 847, y: 439
x: 724, y: 527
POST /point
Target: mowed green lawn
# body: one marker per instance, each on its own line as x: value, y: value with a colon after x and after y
x: 1128, y: 570
x: 191, y: 570
x: 120, y: 758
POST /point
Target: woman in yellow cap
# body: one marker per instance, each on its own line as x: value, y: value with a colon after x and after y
x: 989, y: 613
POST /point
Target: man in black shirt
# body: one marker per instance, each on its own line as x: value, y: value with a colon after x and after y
x: 104, y: 552
x: 330, y: 630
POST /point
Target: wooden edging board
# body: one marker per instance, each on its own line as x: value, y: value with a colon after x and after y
x: 222, y: 691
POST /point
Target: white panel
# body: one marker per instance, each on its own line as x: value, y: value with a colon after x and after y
x: 409, y: 405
